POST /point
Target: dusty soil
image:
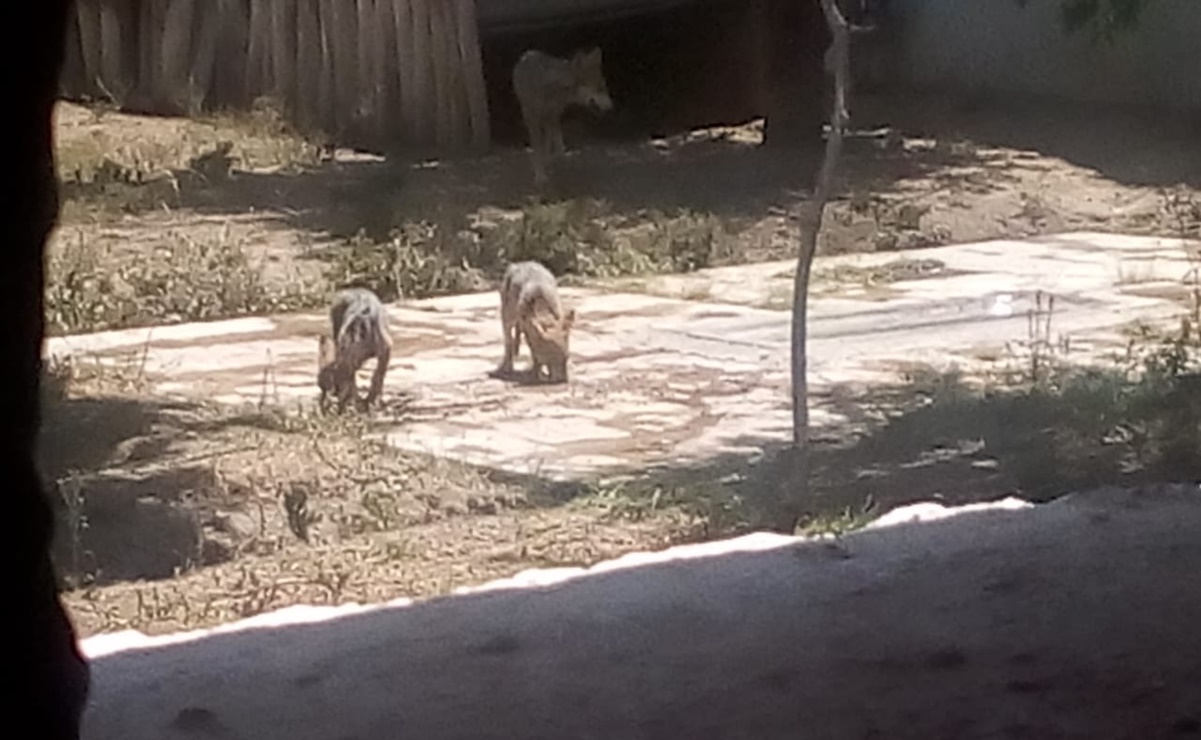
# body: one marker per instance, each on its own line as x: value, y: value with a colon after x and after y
x: 960, y: 171
x: 160, y: 489
x: 196, y: 516
x: 179, y: 516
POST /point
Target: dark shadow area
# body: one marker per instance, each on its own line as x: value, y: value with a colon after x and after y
x: 940, y: 439
x: 734, y: 180
x: 629, y: 204
x: 694, y: 65
x: 118, y: 526
x: 1001, y: 609
x: 669, y: 72
x: 144, y: 498
x: 122, y: 513
x: 1132, y: 145
x: 524, y: 377
x: 147, y: 491
x: 712, y: 174
x: 84, y: 434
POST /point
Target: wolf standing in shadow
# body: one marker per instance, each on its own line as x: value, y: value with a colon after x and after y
x: 545, y: 87
x: 359, y: 326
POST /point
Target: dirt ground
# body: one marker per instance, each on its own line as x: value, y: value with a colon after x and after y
x: 961, y: 171
x: 1060, y: 621
x: 182, y: 515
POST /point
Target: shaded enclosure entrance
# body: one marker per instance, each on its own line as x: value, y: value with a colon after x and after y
x: 695, y: 64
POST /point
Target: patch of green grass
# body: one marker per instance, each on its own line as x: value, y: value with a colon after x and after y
x: 575, y: 239
x: 713, y: 507
x: 584, y: 238
x: 184, y: 279
x: 839, y: 522
x: 1072, y: 427
x: 419, y: 260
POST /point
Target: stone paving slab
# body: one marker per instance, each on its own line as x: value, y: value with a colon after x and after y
x: 660, y: 379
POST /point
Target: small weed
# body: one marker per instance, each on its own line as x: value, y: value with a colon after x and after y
x: 419, y: 260
x: 1034, y: 209
x: 1181, y: 209
x: 582, y: 238
x: 689, y: 241
x: 711, y: 506
x: 937, y: 387
x: 836, y: 524
x: 69, y: 376
x: 563, y: 236
x: 73, y: 524
x: 1043, y: 352
x: 625, y: 499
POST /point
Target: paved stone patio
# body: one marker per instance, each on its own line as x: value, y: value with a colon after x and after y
x: 677, y: 369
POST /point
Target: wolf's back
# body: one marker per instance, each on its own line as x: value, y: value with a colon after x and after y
x: 529, y: 284
x: 357, y: 315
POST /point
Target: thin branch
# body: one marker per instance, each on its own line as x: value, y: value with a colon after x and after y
x: 840, y: 56
x: 810, y: 221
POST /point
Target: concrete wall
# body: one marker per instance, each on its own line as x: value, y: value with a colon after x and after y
x: 994, y: 44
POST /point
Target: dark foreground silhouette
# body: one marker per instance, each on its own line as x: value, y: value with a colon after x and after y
x: 48, y: 675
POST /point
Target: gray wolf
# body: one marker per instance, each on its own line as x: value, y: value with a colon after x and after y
x: 530, y: 307
x: 545, y: 87
x: 359, y: 332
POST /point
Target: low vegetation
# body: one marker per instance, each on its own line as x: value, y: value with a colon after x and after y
x: 182, y: 279
x: 259, y: 508
x: 177, y: 515
x: 576, y: 239
x: 111, y: 173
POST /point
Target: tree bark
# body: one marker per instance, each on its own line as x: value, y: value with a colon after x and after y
x: 810, y: 224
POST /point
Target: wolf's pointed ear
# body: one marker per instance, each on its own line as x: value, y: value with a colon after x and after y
x: 541, y: 328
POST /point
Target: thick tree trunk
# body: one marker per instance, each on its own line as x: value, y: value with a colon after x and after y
x: 797, y: 40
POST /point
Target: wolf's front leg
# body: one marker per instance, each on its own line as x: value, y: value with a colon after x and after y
x: 509, y: 327
x: 382, y: 358
x: 539, y: 163
x: 542, y: 149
